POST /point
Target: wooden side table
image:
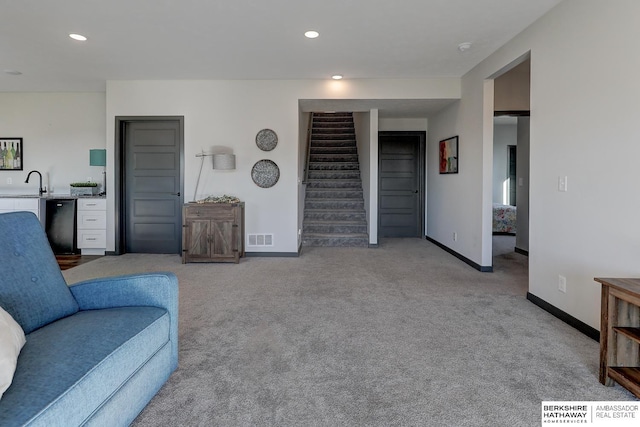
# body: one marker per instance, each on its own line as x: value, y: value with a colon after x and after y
x: 212, y: 232
x: 620, y: 333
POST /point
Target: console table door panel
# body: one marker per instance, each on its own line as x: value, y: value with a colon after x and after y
x: 198, y: 241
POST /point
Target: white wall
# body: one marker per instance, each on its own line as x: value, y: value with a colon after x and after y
x: 58, y: 129
x: 304, y: 134
x: 455, y: 200
x: 230, y: 113
x: 402, y: 124
x: 584, y: 105
x: 503, y: 135
x: 373, y: 176
x: 362, y: 122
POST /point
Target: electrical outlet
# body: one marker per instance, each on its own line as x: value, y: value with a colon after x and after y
x: 9, y: 181
x: 562, y: 284
x: 455, y: 236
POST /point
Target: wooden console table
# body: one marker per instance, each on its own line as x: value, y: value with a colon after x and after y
x: 212, y: 232
x: 620, y: 333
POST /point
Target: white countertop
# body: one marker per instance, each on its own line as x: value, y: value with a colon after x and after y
x: 47, y: 196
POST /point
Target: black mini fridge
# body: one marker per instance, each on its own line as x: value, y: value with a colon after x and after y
x: 60, y: 225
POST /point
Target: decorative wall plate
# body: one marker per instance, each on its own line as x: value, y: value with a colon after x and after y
x: 265, y: 173
x: 266, y: 140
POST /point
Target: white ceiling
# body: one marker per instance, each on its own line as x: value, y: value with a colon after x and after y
x: 248, y: 39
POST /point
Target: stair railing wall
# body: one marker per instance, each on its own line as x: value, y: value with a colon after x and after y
x: 306, y: 164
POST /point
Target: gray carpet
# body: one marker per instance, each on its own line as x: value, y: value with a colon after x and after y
x: 404, y: 334
x: 503, y: 244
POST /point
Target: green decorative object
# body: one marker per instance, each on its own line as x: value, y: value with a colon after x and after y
x: 84, y: 184
x: 84, y: 188
x: 98, y: 157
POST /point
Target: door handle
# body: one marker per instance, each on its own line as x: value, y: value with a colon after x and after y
x: 176, y: 194
x: 416, y: 192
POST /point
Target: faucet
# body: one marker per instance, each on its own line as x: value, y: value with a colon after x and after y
x: 40, y: 190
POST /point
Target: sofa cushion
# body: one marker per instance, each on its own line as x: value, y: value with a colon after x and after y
x: 32, y: 289
x: 69, y: 368
x: 11, y: 342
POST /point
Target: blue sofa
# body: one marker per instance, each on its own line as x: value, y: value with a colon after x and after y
x: 97, y: 351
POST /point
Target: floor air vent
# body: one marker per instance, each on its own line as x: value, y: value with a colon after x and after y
x: 260, y: 240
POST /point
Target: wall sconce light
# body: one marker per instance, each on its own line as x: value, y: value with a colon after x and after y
x: 220, y: 162
x: 224, y: 161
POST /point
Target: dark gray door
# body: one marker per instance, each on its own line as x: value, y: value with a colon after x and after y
x: 152, y: 191
x: 400, y: 184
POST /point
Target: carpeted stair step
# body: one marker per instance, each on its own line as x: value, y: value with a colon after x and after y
x: 333, y: 174
x: 331, y: 124
x: 331, y: 117
x: 333, y: 193
x: 335, y: 150
x: 334, y: 183
x: 333, y: 166
x: 333, y: 143
x: 334, y: 204
x: 333, y: 131
x: 335, y: 215
x: 333, y: 137
x: 333, y: 158
x: 333, y: 227
x: 334, y: 115
x: 336, y: 240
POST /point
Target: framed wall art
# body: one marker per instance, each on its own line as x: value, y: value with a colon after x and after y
x: 449, y: 155
x: 11, y: 154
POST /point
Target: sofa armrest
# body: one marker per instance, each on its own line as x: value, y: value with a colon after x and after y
x: 147, y: 289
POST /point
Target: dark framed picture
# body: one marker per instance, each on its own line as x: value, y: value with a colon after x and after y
x: 11, y: 154
x: 449, y: 155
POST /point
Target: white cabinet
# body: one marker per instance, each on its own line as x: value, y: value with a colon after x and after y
x: 92, y: 226
x: 14, y: 204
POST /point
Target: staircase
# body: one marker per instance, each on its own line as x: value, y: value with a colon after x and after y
x: 334, y: 212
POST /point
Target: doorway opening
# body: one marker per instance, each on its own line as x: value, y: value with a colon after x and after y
x: 510, y: 204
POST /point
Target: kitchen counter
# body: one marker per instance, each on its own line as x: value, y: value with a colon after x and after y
x: 19, y: 196
x: 48, y: 196
x: 88, y: 227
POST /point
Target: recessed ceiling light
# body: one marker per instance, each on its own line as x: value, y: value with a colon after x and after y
x: 12, y: 72
x: 337, y: 77
x: 464, y: 46
x: 78, y: 37
x: 311, y: 34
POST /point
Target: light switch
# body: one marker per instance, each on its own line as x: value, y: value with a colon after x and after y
x: 520, y: 182
x: 562, y: 183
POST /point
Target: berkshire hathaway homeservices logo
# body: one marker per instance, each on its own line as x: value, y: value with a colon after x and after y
x: 618, y: 414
